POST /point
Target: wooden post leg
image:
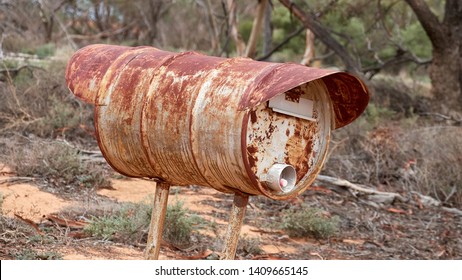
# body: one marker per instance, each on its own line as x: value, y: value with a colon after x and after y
x: 157, y: 221
x: 236, y: 219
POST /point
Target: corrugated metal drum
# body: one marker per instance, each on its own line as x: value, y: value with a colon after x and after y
x: 236, y: 125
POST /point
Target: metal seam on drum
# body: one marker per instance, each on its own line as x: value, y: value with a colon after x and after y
x: 195, y: 148
x: 143, y: 123
x: 99, y: 106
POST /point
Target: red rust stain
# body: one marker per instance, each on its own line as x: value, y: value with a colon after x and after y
x: 299, y: 155
x: 293, y: 95
x: 348, y: 95
x: 253, y: 159
x: 253, y: 116
x: 302, y: 165
x: 270, y: 130
x: 85, y: 70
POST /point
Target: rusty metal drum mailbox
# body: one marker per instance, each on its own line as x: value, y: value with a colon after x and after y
x: 236, y: 125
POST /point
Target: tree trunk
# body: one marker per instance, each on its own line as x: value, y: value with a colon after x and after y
x: 446, y: 38
x: 232, y: 21
x: 256, y: 29
x: 213, y: 29
x: 309, y: 48
x: 446, y: 77
x: 267, y: 31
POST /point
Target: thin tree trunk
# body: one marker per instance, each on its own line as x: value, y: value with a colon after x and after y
x: 267, y: 31
x: 232, y: 21
x: 213, y: 29
x: 256, y: 29
x: 309, y: 48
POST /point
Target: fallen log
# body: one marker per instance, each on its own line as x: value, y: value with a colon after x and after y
x: 379, y: 197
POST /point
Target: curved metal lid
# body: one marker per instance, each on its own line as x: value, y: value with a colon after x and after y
x: 348, y: 93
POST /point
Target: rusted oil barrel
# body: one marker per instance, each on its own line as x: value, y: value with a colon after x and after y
x: 236, y: 125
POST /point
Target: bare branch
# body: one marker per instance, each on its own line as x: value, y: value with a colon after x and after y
x: 354, y: 187
x: 399, y: 59
x: 322, y: 33
x: 282, y: 43
x: 429, y: 22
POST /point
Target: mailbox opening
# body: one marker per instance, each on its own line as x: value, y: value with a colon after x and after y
x: 281, y: 177
x: 291, y: 130
x: 293, y: 103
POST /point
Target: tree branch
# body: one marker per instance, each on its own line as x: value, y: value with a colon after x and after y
x: 324, y: 35
x: 281, y: 44
x: 429, y: 22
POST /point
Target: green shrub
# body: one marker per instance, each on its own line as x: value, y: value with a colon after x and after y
x: 29, y: 254
x: 46, y: 50
x: 307, y: 221
x: 128, y: 223
x: 249, y: 245
x: 178, y: 224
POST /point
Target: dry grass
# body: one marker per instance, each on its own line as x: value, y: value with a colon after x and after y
x: 56, y: 164
x: 35, y: 100
x: 404, y: 156
x: 436, y: 168
x: 129, y: 223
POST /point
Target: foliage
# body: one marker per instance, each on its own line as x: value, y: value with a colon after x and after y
x: 41, y: 51
x: 308, y: 221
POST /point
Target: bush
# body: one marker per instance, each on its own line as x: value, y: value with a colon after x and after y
x: 307, y: 221
x: 178, y: 224
x: 434, y: 163
x: 56, y: 162
x: 249, y: 246
x: 424, y: 159
x: 128, y: 224
x: 36, y: 100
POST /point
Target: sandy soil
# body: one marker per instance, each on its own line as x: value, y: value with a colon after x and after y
x: 398, y: 231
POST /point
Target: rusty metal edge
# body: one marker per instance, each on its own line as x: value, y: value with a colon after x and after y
x: 252, y: 175
x: 247, y: 102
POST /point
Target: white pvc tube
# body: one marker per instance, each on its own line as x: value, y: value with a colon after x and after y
x: 281, y: 177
